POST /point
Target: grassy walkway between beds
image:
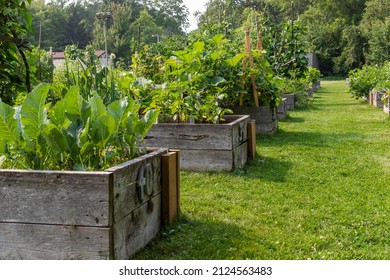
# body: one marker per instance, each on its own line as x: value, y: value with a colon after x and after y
x: 318, y: 189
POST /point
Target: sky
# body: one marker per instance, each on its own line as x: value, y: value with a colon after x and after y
x: 193, y: 6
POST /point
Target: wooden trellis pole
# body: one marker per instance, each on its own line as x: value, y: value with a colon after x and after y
x: 248, y: 49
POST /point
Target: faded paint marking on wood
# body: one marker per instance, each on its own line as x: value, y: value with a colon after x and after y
x: 137, y: 229
x: 127, y: 196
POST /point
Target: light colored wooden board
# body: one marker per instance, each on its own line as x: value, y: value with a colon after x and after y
x: 53, y: 242
x: 197, y: 136
x: 126, y: 194
x: 206, y: 160
x: 240, y: 155
x: 55, y: 197
x: 137, y: 229
x: 265, y: 117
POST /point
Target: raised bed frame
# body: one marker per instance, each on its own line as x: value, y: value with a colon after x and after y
x: 87, y: 215
x: 205, y: 147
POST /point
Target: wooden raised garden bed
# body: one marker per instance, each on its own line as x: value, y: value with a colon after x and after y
x: 211, y: 147
x: 86, y: 215
x: 290, y: 99
x: 377, y: 98
x: 266, y: 118
x: 282, y: 110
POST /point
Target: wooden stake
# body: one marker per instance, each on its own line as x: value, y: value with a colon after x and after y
x: 251, y: 139
x: 252, y: 65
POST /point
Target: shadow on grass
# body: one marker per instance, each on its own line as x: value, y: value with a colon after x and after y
x: 201, y: 239
x: 266, y: 168
x: 293, y: 120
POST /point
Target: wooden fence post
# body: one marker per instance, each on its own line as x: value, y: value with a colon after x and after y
x: 251, y: 139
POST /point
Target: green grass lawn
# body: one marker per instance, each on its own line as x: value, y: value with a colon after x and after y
x: 318, y: 189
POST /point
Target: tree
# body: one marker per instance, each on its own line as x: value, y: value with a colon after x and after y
x: 376, y: 28
x: 171, y: 15
x: 15, y: 23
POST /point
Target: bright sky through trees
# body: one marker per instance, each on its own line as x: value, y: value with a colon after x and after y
x: 193, y: 6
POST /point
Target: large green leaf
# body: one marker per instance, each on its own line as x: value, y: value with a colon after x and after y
x: 97, y: 107
x: 198, y: 46
x: 8, y: 124
x: 33, y: 112
x: 147, y: 122
x: 55, y: 139
x: 236, y: 59
x: 118, y: 110
x: 102, y: 130
x: 76, y: 108
x: 57, y: 114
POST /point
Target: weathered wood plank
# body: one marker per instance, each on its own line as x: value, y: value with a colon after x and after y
x: 51, y: 197
x: 128, y: 194
x: 265, y: 117
x: 282, y: 110
x: 240, y: 155
x: 54, y: 242
x: 170, y: 188
x: 137, y: 229
x: 195, y: 136
x: 290, y: 99
x: 206, y: 160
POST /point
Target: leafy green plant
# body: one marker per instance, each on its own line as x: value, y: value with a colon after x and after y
x: 194, y: 81
x: 313, y: 75
x: 362, y: 81
x: 75, y: 133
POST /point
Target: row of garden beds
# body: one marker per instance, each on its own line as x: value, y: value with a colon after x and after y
x: 113, y: 213
x: 376, y: 98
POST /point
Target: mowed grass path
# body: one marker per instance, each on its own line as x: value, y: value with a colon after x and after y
x: 318, y: 189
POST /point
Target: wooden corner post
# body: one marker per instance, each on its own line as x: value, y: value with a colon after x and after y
x: 170, y: 186
x: 251, y: 139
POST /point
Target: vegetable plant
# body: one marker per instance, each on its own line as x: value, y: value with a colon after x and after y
x: 75, y: 133
x: 195, y: 80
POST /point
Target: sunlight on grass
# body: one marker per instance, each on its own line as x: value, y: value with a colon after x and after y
x: 318, y: 189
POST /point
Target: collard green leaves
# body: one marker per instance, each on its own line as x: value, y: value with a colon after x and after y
x: 73, y: 134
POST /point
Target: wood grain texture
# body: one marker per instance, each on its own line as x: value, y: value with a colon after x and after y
x: 126, y: 196
x: 55, y: 197
x: 137, y: 229
x: 53, y: 242
x: 79, y: 215
x: 170, y: 188
x: 240, y: 155
x: 252, y: 139
x: 198, y: 136
x: 265, y: 117
x: 290, y: 99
